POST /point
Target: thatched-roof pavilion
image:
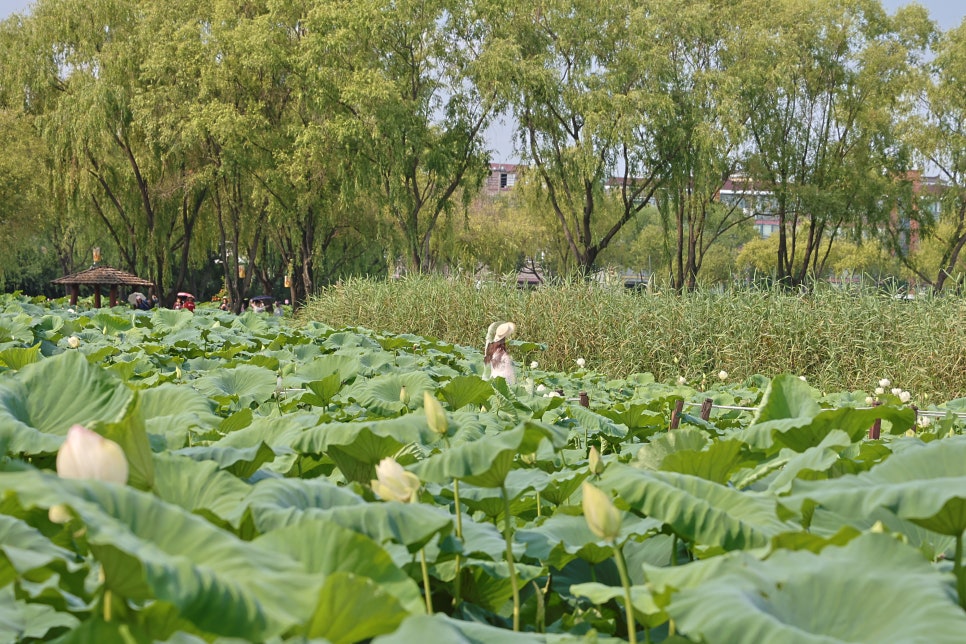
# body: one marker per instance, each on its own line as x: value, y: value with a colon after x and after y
x: 98, y: 276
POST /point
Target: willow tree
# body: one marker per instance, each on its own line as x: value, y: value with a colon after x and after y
x: 408, y: 109
x: 704, y: 136
x: 935, y: 212
x: 822, y: 80
x: 581, y: 79
x: 117, y: 180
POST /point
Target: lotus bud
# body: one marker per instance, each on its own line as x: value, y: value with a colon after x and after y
x: 393, y: 483
x: 581, y: 362
x: 885, y: 382
x: 602, y: 516
x: 722, y: 375
x: 88, y: 455
x: 594, y: 464
x: 435, y: 414
x: 73, y: 342
x: 869, y: 400
x: 879, y: 391
x: 404, y: 395
x: 534, y: 364
x: 878, y: 527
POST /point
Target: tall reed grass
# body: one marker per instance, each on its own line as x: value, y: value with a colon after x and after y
x: 836, y: 339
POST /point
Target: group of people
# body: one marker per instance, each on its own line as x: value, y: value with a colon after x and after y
x: 256, y: 305
x: 186, y: 302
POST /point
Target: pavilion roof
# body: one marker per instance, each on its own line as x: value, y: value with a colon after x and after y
x: 102, y: 275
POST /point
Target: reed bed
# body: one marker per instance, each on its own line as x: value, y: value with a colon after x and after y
x: 838, y: 340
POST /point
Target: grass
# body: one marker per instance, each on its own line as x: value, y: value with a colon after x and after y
x: 837, y: 340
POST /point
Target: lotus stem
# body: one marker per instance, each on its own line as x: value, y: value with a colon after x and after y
x: 457, y: 586
x: 508, y: 535
x: 674, y: 549
x: 538, y: 504
x: 107, y: 605
x: 626, y: 583
x: 958, y: 571
x: 429, y: 599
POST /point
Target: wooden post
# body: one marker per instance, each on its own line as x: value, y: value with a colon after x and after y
x: 584, y: 399
x: 113, y: 294
x: 676, y: 414
x: 876, y: 426
x: 706, y: 408
x: 97, y: 296
x: 74, y: 293
x: 915, y: 419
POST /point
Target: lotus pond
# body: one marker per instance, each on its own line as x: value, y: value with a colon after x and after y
x: 253, y: 447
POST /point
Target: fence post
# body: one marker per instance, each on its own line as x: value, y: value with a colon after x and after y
x: 583, y: 399
x: 676, y: 414
x: 706, y: 409
x: 876, y: 426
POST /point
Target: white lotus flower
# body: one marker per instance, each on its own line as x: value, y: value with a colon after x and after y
x: 581, y: 362
x: 885, y: 382
x: 73, y: 342
x: 896, y: 391
x: 435, y: 414
x: 393, y: 483
x: 541, y: 388
x: 803, y: 378
x: 534, y: 364
x: 722, y: 375
x: 88, y: 455
x: 904, y: 396
x: 602, y: 516
x: 682, y: 380
x: 594, y: 464
x: 869, y: 400
x: 879, y: 391
x: 924, y: 421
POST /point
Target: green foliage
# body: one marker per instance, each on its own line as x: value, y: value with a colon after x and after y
x: 747, y: 524
x: 836, y: 339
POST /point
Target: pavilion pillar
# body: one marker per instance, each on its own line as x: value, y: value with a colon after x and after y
x: 97, y: 296
x: 74, y: 292
x: 113, y: 294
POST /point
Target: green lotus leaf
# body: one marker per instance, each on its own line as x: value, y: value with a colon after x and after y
x: 803, y: 597
x: 245, y: 384
x: 240, y: 461
x: 26, y: 622
x: 381, y: 394
x: 466, y: 390
x: 700, y: 511
x: 347, y: 368
x: 345, y: 614
x: 814, y: 459
x: 925, y: 484
x: 16, y: 330
x: 41, y: 402
x: 18, y: 357
x: 198, y: 486
x: 321, y: 392
x: 651, y: 455
x: 26, y: 554
x: 593, y: 424
x: 150, y: 549
x: 486, y: 462
x: 562, y: 538
x: 440, y: 628
x: 409, y: 524
x: 173, y: 411
x: 645, y: 609
x: 111, y: 323
x: 357, y: 447
x: 487, y: 583
x: 790, y: 417
x: 324, y: 547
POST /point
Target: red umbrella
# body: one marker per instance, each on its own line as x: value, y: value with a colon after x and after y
x: 188, y: 295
